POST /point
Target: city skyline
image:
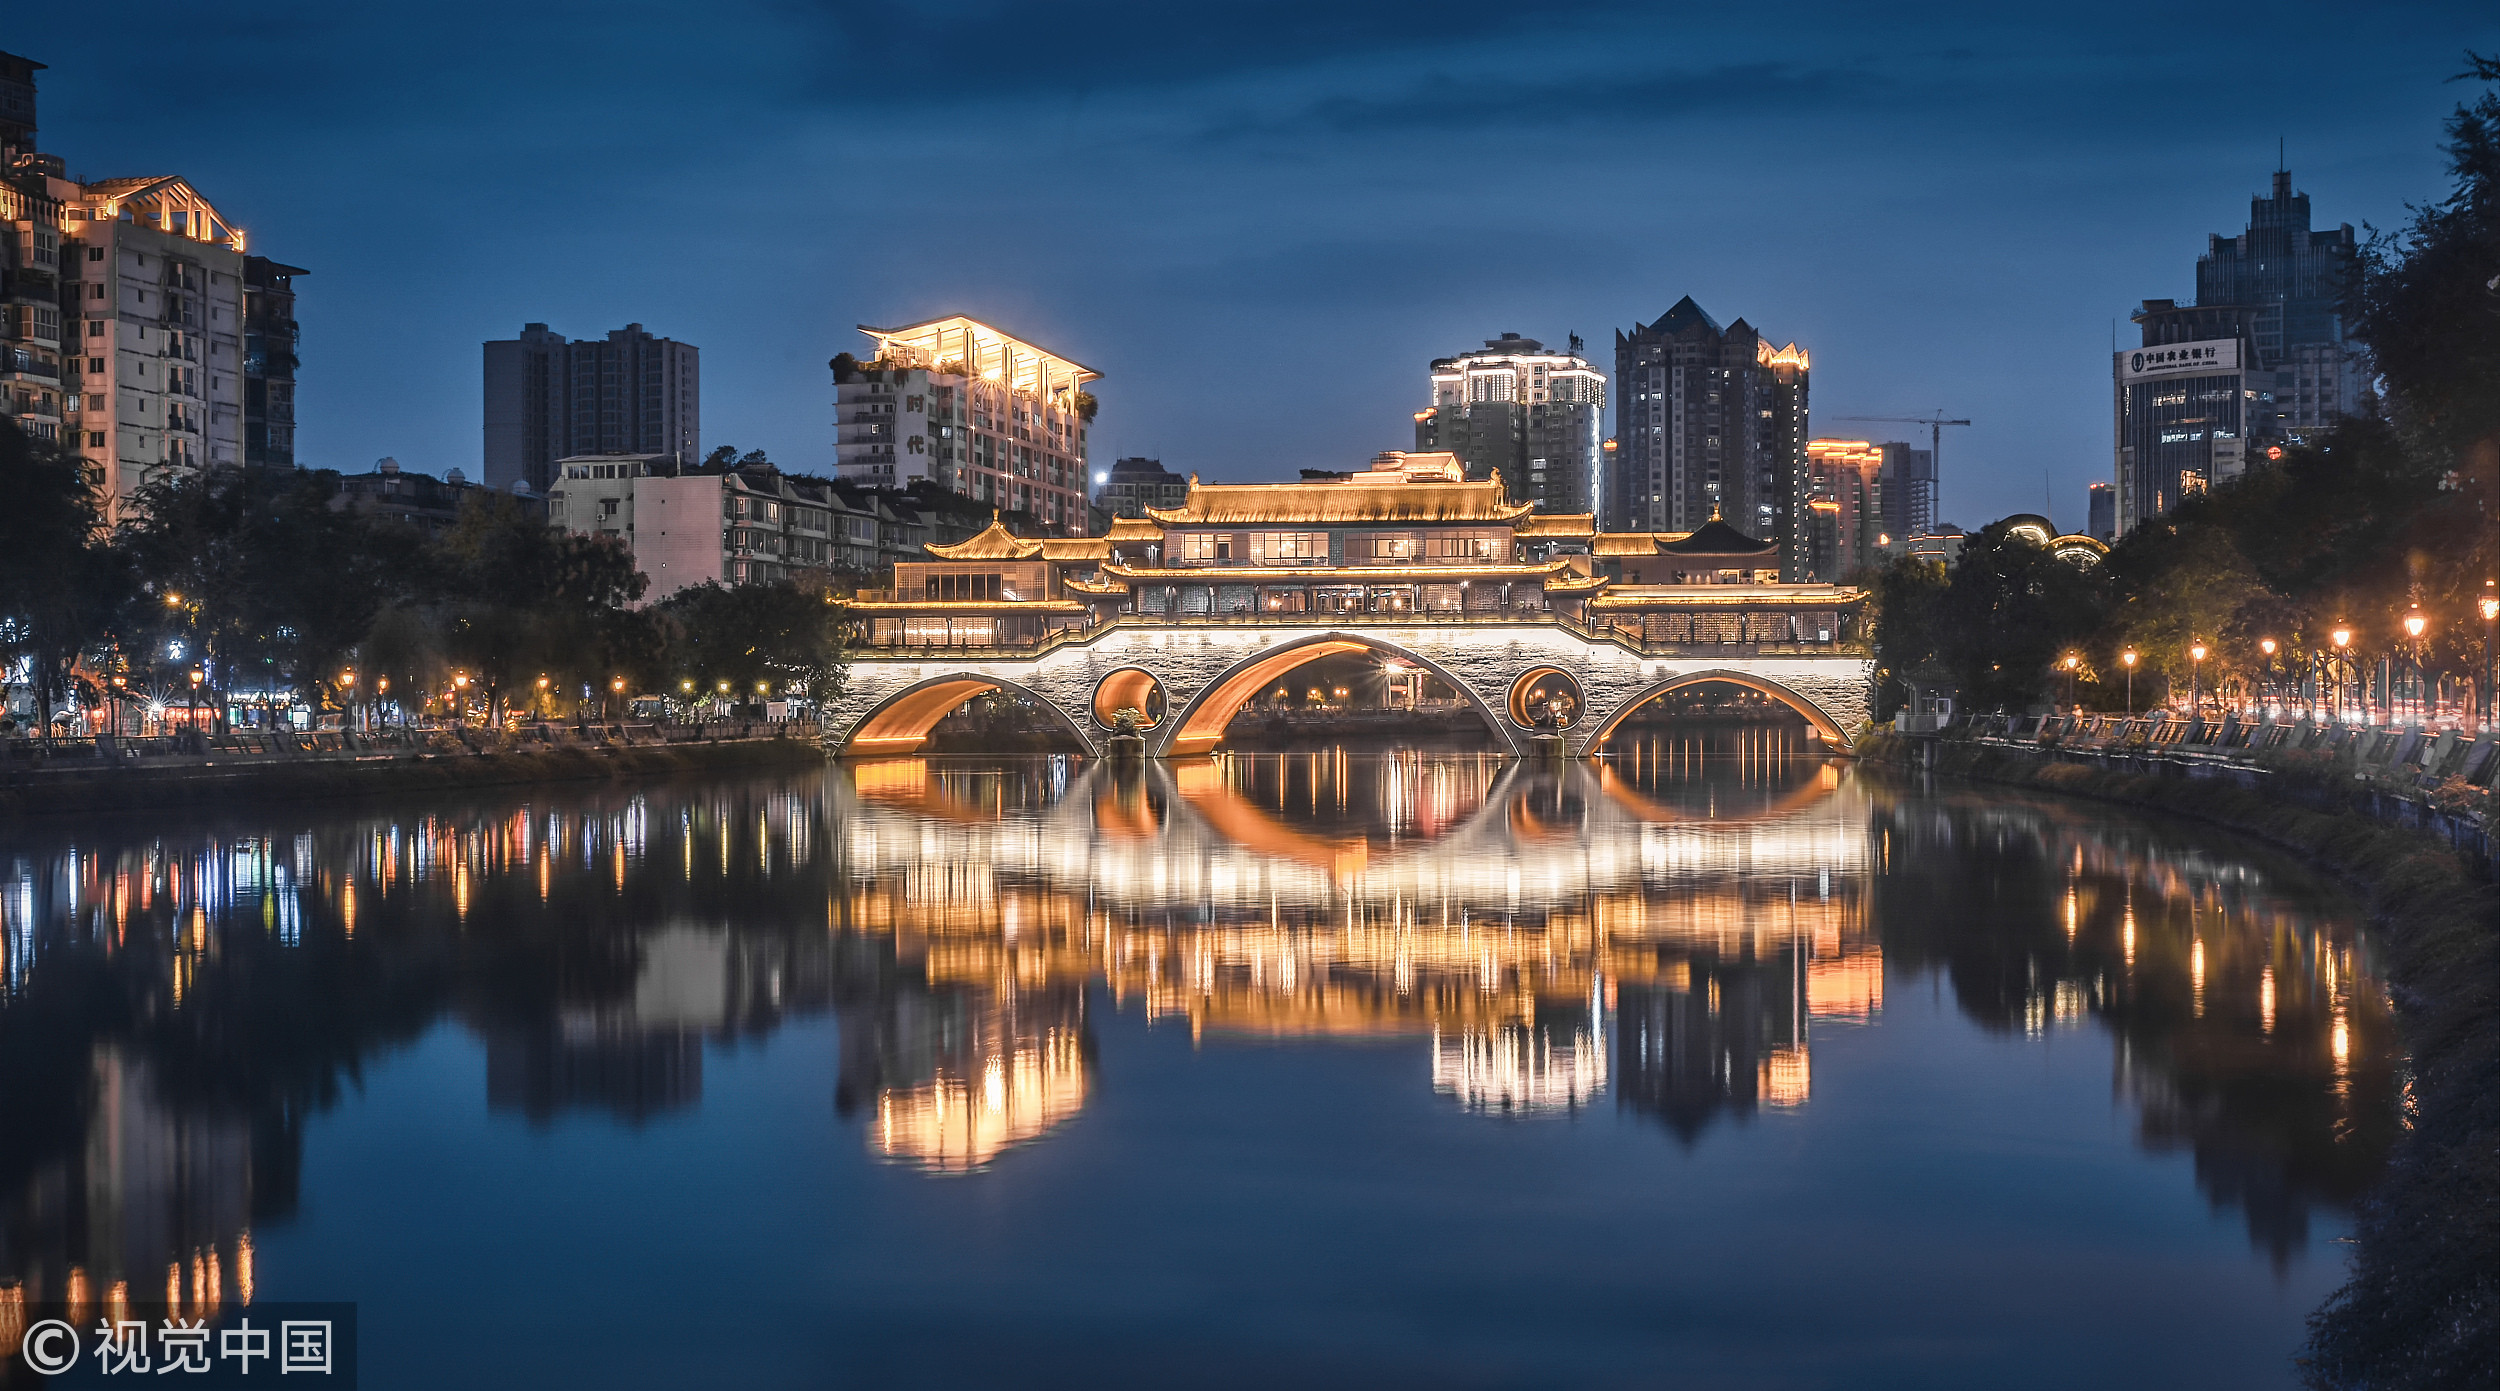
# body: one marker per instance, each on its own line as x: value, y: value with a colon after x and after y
x: 1241, y: 178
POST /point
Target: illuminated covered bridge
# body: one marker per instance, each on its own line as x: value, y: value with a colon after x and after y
x: 1193, y: 613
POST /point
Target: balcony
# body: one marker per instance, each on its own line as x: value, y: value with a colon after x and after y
x: 19, y: 362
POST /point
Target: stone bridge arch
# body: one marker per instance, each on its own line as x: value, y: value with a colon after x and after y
x: 1826, y: 723
x: 900, y: 722
x: 1198, y: 725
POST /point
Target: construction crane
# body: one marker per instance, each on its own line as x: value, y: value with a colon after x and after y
x: 1935, y: 447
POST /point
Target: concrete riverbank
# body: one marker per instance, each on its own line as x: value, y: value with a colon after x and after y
x: 2423, y: 1301
x: 266, y: 769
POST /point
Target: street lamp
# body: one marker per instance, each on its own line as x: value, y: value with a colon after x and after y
x: 460, y: 699
x: 2072, y: 662
x: 2343, y: 639
x: 381, y: 690
x: 347, y: 681
x: 2265, y: 686
x: 616, y: 688
x: 2414, y: 624
x: 2128, y: 657
x: 2196, y: 680
x: 197, y: 676
x: 2489, y: 606
x: 540, y: 700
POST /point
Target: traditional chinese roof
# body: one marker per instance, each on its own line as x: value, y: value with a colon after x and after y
x: 1365, y: 499
x: 994, y: 542
x: 1132, y: 529
x: 1715, y: 537
x: 1077, y: 586
x: 1556, y: 526
x: 1073, y: 550
x: 1622, y: 543
x: 1577, y: 584
x: 1334, y: 574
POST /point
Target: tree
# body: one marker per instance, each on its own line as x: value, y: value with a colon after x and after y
x: 2009, y: 609
x: 58, y: 585
x: 784, y: 633
x: 1903, y: 598
x: 523, y: 600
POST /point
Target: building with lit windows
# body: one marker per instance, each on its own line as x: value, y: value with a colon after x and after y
x: 2261, y: 360
x: 1843, y: 517
x: 1709, y: 420
x: 1133, y: 485
x: 691, y: 525
x: 137, y: 328
x: 973, y: 410
x: 1537, y: 418
x: 1908, y: 489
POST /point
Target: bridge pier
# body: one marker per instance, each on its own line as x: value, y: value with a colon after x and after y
x: 1199, y: 676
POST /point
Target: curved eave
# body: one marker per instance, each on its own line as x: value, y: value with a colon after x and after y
x: 1077, y: 586
x: 1726, y: 596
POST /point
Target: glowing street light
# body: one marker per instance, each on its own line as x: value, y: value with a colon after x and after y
x: 2128, y: 658
x: 2196, y: 679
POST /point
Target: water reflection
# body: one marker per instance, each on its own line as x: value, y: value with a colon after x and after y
x: 1669, y: 933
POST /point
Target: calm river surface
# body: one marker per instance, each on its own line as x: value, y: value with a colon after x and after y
x: 1712, y: 1064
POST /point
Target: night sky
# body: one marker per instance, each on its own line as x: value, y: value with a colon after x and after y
x: 1260, y: 222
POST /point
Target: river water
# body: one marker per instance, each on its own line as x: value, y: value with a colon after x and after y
x: 1714, y: 1063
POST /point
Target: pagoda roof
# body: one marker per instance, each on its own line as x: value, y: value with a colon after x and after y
x: 993, y: 542
x: 1620, y: 543
x: 1715, y: 537
x: 1578, y: 584
x: 1568, y: 526
x: 1133, y: 529
x: 1078, y: 586
x: 1366, y: 498
x: 1067, y: 550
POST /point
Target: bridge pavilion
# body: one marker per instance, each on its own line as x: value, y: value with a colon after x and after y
x: 1409, y: 538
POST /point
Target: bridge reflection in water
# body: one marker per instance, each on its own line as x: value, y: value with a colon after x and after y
x: 1681, y: 926
x: 1513, y: 921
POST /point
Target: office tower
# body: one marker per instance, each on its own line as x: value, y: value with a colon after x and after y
x: 2103, y: 524
x: 1536, y: 417
x: 973, y: 410
x: 1133, y: 485
x: 1908, y: 490
x: 126, y: 312
x: 1842, y: 519
x: 2261, y: 360
x: 1711, y: 421
x: 548, y: 398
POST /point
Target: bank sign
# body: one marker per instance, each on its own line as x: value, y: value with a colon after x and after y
x: 2179, y: 359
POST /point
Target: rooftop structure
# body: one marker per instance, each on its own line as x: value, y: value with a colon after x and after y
x: 973, y: 410
x: 1536, y: 417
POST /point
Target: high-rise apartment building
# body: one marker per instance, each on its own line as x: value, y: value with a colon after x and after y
x: 1841, y: 525
x: 1711, y: 421
x: 1908, y: 487
x: 1536, y: 417
x: 126, y: 310
x: 2261, y: 359
x: 270, y: 344
x: 548, y: 398
x: 973, y: 410
x: 1133, y: 485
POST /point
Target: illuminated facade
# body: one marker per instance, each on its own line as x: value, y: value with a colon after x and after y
x: 1534, y: 418
x: 1711, y: 422
x: 2262, y: 359
x: 973, y: 410
x: 137, y: 327
x: 1843, y: 516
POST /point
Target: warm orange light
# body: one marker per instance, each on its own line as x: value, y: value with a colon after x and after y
x: 2073, y: 661
x: 2343, y: 637
x: 2415, y: 622
x: 2197, y: 653
x: 2266, y: 645
x: 617, y: 685
x: 2128, y: 658
x: 542, y: 683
